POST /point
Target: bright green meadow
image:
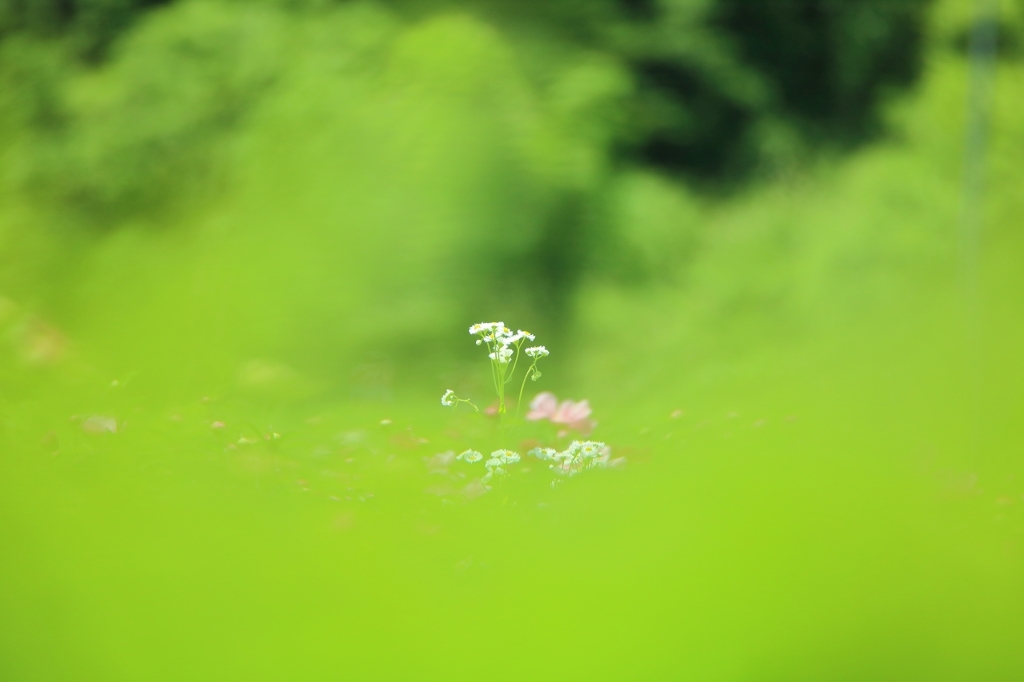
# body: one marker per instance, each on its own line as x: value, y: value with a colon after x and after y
x: 235, y: 279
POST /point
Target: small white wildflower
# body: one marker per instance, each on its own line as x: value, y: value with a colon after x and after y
x: 502, y: 355
x: 470, y: 456
x: 505, y: 336
x: 509, y: 338
x: 448, y: 399
x: 505, y: 456
x: 537, y: 351
x: 545, y: 454
x: 494, y: 463
x: 481, y: 327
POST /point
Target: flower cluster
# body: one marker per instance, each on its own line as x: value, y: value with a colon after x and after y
x: 502, y: 355
x: 470, y: 456
x: 497, y: 332
x: 573, y: 415
x: 495, y: 464
x: 537, y: 352
x: 503, y: 349
x: 578, y: 457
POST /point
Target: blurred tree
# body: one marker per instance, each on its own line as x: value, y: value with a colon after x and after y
x: 828, y: 61
x: 715, y: 79
x: 502, y: 136
x: 90, y: 24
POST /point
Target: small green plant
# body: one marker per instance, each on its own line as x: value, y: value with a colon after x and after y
x: 505, y: 348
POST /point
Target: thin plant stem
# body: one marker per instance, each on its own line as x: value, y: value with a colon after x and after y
x: 522, y: 388
x: 515, y: 362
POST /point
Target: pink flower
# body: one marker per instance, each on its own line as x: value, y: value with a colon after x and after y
x: 543, y: 406
x: 574, y: 415
x: 570, y: 413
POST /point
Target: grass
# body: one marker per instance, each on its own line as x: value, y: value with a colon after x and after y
x: 823, y: 481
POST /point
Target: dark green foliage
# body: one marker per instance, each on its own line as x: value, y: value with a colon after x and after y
x: 828, y: 61
x: 712, y: 79
x: 1009, y: 40
x: 484, y: 140
x: 91, y: 24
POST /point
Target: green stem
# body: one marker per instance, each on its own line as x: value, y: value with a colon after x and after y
x: 522, y: 388
x: 515, y: 363
x: 494, y: 375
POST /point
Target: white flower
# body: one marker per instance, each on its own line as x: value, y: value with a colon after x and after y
x: 448, y: 399
x: 546, y: 454
x: 587, y: 448
x: 481, y: 327
x: 508, y: 338
x: 537, y: 351
x: 470, y: 456
x: 505, y: 456
x: 503, y: 336
x: 497, y: 332
x: 502, y: 355
x: 579, y: 456
x: 494, y: 466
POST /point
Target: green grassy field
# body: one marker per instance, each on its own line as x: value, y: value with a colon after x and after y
x: 220, y: 426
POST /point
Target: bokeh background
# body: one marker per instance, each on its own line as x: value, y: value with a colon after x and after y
x: 776, y: 244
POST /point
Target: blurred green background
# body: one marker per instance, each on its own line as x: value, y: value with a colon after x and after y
x: 776, y: 244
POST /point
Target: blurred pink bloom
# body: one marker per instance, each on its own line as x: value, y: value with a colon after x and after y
x: 570, y: 413
x: 543, y: 406
x: 574, y: 415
